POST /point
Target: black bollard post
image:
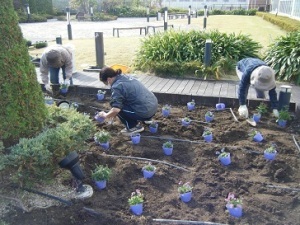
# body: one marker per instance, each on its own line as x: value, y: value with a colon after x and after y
x: 189, y: 15
x: 207, y: 52
x: 284, y: 97
x: 99, y: 49
x: 69, y: 24
x: 148, y: 12
x: 166, y: 19
x: 59, y: 40
x: 205, y: 17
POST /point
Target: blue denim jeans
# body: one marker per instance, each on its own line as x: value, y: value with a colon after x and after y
x: 54, y: 75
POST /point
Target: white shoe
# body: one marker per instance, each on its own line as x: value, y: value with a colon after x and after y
x: 135, y: 129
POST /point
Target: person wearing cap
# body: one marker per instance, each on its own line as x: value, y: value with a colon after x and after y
x: 253, y: 71
x: 53, y: 59
x: 130, y: 100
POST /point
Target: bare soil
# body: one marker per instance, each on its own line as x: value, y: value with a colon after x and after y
x: 269, y: 189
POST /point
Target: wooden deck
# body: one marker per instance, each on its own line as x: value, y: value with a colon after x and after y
x: 179, y: 91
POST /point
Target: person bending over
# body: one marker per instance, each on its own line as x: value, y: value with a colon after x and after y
x: 53, y: 59
x: 130, y: 100
x: 253, y: 71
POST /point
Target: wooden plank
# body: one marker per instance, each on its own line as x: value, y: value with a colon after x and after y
x: 157, y: 82
x: 224, y: 89
x: 169, y: 84
x: 202, y: 88
x: 150, y: 81
x: 216, y: 89
x: 145, y: 80
x: 174, y: 86
x: 188, y: 87
x: 195, y: 87
x: 181, y: 86
x: 209, y: 89
x: 231, y: 91
x: 160, y: 85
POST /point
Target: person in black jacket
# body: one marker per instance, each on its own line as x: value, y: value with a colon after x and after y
x: 131, y: 101
x: 253, y: 71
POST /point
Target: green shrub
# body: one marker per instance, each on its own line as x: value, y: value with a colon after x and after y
x: 283, y: 56
x: 36, y: 159
x: 41, y: 44
x: 178, y: 52
x: 283, y: 22
x: 22, y: 107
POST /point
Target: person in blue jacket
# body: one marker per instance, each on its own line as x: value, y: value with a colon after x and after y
x: 253, y: 71
x: 130, y: 100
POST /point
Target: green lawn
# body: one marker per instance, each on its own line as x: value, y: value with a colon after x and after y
x: 122, y: 50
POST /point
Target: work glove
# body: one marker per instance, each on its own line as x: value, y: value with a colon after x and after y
x: 243, y: 111
x: 275, y: 113
x: 67, y: 82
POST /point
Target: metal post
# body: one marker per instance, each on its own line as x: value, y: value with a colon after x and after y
x: 189, y: 15
x: 196, y: 13
x: 59, y: 40
x: 28, y: 12
x: 69, y: 24
x: 148, y: 12
x: 207, y: 52
x: 99, y: 49
x: 205, y: 17
x: 92, y: 13
x: 166, y: 19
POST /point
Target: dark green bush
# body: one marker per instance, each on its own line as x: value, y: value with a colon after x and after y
x: 283, y: 22
x: 41, y: 44
x: 66, y: 131
x: 22, y: 107
x: 283, y: 55
x: 158, y: 52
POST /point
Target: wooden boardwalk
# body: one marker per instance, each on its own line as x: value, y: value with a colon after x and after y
x: 176, y: 90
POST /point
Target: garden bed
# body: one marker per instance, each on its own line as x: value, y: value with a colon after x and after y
x: 269, y: 189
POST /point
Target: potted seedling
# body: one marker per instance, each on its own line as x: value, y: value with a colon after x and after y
x: 220, y: 106
x: 102, y: 138
x: 135, y: 138
x: 136, y: 202
x: 207, y: 134
x: 185, y: 191
x: 148, y: 170
x: 166, y: 109
x: 261, y: 109
x: 101, y: 175
x: 256, y: 136
x: 209, y: 116
x: 153, y: 127
x: 48, y: 100
x: 234, y: 205
x: 283, y: 117
x: 224, y: 157
x: 191, y: 105
x: 271, y: 152
x: 64, y: 88
x: 168, y: 148
x: 101, y: 95
x: 99, y: 118
x: 185, y: 121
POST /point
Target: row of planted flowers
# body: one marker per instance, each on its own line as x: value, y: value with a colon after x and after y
x: 234, y: 205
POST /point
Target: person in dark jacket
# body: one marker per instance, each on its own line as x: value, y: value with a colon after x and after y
x: 130, y: 100
x: 253, y: 71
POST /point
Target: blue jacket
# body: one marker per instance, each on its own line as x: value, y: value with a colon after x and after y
x: 128, y: 91
x: 246, y: 66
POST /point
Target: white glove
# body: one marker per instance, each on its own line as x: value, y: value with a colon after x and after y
x: 67, y: 82
x: 275, y: 113
x: 48, y: 87
x: 243, y: 111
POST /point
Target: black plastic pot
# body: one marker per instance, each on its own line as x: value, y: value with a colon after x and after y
x: 71, y: 162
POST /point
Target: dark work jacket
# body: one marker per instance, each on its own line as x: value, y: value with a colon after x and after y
x: 246, y: 66
x: 128, y: 91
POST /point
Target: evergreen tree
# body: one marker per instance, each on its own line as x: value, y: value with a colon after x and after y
x: 22, y: 107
